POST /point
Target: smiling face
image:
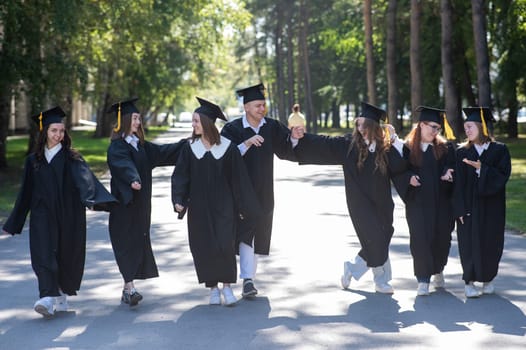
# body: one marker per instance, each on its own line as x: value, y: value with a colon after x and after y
x: 255, y: 110
x: 196, y: 124
x: 360, y: 127
x: 55, y: 134
x: 429, y: 130
x: 135, y: 122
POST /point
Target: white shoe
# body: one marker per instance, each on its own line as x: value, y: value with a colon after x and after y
x: 215, y: 296
x: 61, y: 303
x: 471, y: 291
x: 438, y: 280
x: 488, y: 288
x: 346, y: 277
x: 45, y: 306
x: 384, y: 288
x: 423, y: 289
x: 228, y: 295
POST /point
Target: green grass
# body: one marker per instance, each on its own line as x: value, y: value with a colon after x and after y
x: 92, y: 149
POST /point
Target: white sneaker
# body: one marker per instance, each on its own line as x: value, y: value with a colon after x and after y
x: 61, y: 303
x: 423, y: 289
x: 346, y: 277
x: 384, y: 288
x: 471, y: 291
x: 488, y: 288
x: 215, y: 296
x: 228, y: 295
x: 438, y: 280
x: 45, y: 306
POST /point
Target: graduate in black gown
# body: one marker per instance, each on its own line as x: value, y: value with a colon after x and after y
x: 57, y: 186
x: 258, y: 139
x: 211, y: 181
x: 368, y: 162
x: 426, y: 189
x: 483, y: 169
x: 131, y: 160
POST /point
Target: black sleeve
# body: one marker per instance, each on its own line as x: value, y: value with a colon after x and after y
x: 162, y: 155
x: 322, y: 150
x: 15, y: 222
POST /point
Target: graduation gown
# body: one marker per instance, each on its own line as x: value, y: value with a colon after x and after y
x: 129, y: 222
x: 368, y: 191
x: 57, y: 194
x: 481, y: 201
x: 259, y: 162
x: 429, y: 211
x: 215, y: 187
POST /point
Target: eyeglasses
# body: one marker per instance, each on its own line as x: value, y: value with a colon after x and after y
x: 434, y: 127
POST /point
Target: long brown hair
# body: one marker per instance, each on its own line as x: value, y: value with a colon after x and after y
x: 413, y: 141
x: 126, y: 129
x: 482, y: 139
x: 374, y: 134
x: 210, y: 132
x: 40, y: 145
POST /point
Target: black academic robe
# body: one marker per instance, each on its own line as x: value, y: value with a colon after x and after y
x: 368, y: 191
x: 57, y: 194
x: 428, y: 209
x: 259, y: 162
x: 481, y: 201
x: 215, y: 187
x: 129, y: 222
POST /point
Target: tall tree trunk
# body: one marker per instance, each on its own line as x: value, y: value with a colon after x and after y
x: 369, y: 54
x: 280, y: 79
x: 481, y: 52
x: 4, y: 123
x: 414, y: 59
x: 392, y: 91
x: 453, y: 112
x: 292, y: 98
x: 304, y: 29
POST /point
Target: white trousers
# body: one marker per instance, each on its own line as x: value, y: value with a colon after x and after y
x: 248, y: 261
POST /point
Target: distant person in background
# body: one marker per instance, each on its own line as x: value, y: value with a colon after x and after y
x: 210, y: 179
x: 296, y: 118
x: 258, y: 138
x: 57, y: 186
x: 482, y: 171
x: 131, y: 160
x: 426, y: 188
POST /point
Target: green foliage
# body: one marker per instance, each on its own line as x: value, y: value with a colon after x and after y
x: 516, y: 187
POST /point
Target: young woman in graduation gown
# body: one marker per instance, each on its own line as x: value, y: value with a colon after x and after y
x: 426, y: 189
x: 211, y: 180
x: 57, y: 186
x: 258, y: 138
x: 131, y: 160
x: 483, y: 169
x: 368, y: 164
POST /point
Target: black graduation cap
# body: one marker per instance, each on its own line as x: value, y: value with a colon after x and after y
x: 372, y: 112
x: 53, y: 115
x: 429, y: 114
x: 480, y: 115
x: 123, y: 107
x: 252, y: 93
x: 209, y: 109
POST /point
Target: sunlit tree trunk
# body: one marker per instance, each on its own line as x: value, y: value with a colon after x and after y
x: 414, y: 59
x: 304, y: 29
x: 481, y: 52
x: 392, y: 94
x: 369, y: 54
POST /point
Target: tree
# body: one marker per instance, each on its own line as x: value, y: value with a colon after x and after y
x: 369, y: 51
x: 481, y: 52
x: 416, y: 67
x: 392, y: 100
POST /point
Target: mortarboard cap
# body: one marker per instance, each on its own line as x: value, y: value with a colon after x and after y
x: 123, y: 107
x: 429, y: 114
x: 372, y: 112
x: 209, y: 109
x: 252, y: 93
x: 53, y: 115
x: 480, y: 115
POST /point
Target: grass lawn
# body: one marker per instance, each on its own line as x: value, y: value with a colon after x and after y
x: 92, y: 149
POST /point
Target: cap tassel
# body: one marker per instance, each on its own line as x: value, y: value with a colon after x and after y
x: 387, y: 133
x: 450, y: 135
x: 40, y: 127
x: 118, y: 127
x: 484, y: 126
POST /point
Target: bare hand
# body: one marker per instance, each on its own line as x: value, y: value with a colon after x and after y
x: 415, y: 181
x: 297, y: 132
x: 461, y: 219
x: 256, y: 140
x: 474, y: 164
x: 448, y: 176
x: 178, y: 208
x: 136, y: 185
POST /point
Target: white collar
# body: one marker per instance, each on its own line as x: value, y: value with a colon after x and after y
x: 371, y: 146
x: 246, y: 124
x: 132, y: 140
x: 481, y: 148
x: 49, y: 153
x: 217, y: 151
x: 424, y: 146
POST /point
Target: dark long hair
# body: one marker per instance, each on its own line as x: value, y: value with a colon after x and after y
x: 374, y: 134
x: 210, y: 131
x: 42, y: 141
x: 126, y: 129
x: 413, y: 141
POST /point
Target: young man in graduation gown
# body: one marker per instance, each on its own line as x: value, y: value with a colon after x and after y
x: 131, y: 160
x: 57, y: 187
x: 483, y: 168
x: 258, y: 138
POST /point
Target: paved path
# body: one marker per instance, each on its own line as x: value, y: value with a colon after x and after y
x: 301, y: 305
